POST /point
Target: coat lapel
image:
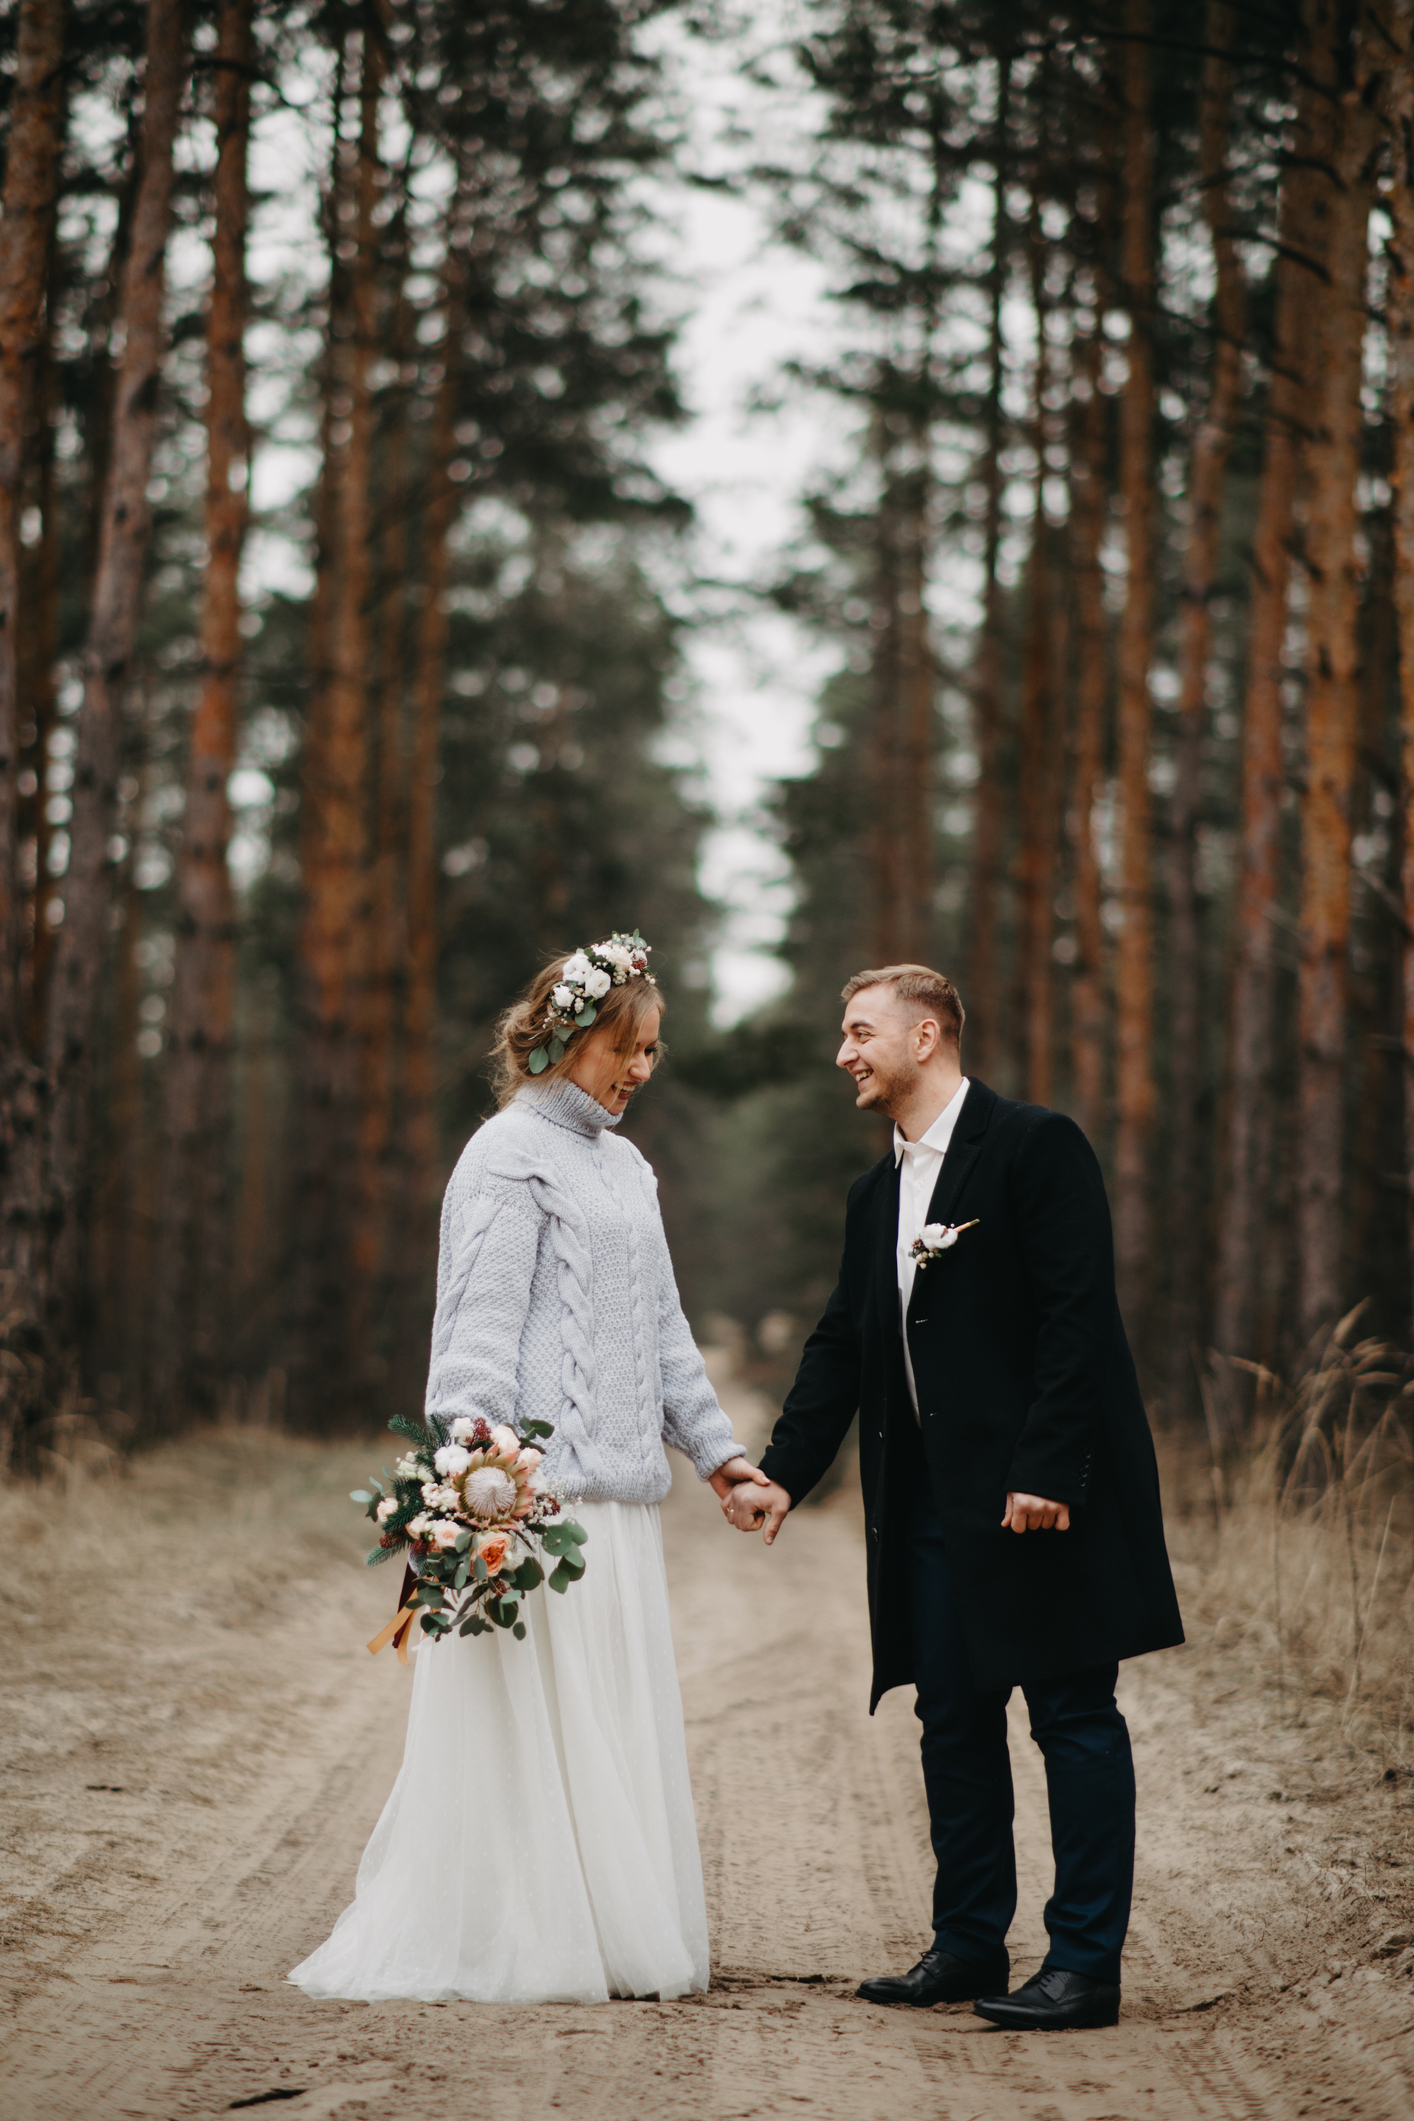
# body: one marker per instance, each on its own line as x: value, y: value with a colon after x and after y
x: 886, y: 1250
x: 963, y: 1151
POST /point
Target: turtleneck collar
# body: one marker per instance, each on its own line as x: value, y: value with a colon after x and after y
x: 564, y: 1104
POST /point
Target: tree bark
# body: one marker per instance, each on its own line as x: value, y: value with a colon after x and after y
x: 193, y: 1264
x: 31, y: 184
x: 1401, y: 337
x: 983, y: 996
x: 1241, y: 1234
x: 440, y: 502
x: 1332, y: 467
x: 1088, y: 509
x: 1207, y: 478
x: 1134, y: 977
x: 333, y: 936
x: 901, y: 734
x: 81, y: 951
x: 1042, y: 697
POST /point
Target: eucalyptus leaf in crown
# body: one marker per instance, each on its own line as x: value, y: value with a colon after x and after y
x: 465, y: 1506
x: 584, y: 980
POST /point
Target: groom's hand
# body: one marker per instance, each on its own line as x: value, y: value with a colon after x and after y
x: 757, y: 1507
x: 1032, y: 1513
x: 732, y: 1473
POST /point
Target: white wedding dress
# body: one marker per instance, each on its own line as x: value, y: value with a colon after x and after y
x: 539, y: 1844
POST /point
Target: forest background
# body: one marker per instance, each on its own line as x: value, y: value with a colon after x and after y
x: 1108, y: 568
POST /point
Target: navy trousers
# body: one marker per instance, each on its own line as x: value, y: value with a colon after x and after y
x: 967, y: 1775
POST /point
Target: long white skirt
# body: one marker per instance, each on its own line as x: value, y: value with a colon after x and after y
x: 539, y: 1844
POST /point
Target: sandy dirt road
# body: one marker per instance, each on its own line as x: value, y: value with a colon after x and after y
x: 174, y: 1846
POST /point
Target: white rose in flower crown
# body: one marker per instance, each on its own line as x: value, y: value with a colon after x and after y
x: 597, y: 983
x: 453, y: 1458
x: 387, y: 1508
x: 616, y: 954
x: 575, y: 968
x: 562, y: 996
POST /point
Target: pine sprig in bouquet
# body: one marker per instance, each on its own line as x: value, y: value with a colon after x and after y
x: 463, y: 1507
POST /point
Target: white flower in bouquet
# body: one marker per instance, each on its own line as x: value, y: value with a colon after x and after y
x: 490, y: 1493
x: 529, y: 1459
x: 463, y: 1428
x: 445, y: 1536
x: 416, y: 1526
x: 431, y: 1489
x: 453, y: 1458
x: 387, y: 1508
x: 505, y: 1439
x: 597, y: 983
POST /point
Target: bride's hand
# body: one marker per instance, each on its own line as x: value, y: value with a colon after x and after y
x: 731, y: 1474
x: 752, y: 1507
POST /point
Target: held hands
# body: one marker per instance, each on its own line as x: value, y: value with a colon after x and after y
x: 757, y: 1504
x: 1032, y: 1513
x: 732, y: 1473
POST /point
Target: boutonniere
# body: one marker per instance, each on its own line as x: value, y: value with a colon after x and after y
x: 936, y: 1239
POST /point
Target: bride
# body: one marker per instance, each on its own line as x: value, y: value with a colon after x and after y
x: 539, y: 1842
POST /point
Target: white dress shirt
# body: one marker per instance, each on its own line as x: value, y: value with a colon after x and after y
x: 922, y: 1161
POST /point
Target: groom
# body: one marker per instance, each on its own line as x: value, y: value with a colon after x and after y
x: 1010, y: 1490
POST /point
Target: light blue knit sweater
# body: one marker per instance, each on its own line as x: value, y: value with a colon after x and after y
x: 556, y: 1299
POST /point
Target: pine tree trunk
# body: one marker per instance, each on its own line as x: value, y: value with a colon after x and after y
x: 419, y: 1158
x: 1332, y: 470
x: 1401, y: 338
x: 1207, y: 477
x: 901, y: 734
x: 1088, y: 464
x: 1241, y: 1225
x: 31, y: 183
x: 1134, y: 977
x: 1041, y: 706
x: 193, y: 1263
x: 333, y: 936
x: 373, y: 1240
x: 40, y: 640
x: 983, y: 996
x: 81, y: 951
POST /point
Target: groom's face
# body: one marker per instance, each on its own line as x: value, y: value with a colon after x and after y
x: 879, y: 1050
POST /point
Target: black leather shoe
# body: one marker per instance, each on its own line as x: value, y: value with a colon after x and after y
x: 1053, y: 2001
x: 939, y: 1977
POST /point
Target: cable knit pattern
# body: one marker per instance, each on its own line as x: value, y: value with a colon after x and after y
x: 556, y: 1300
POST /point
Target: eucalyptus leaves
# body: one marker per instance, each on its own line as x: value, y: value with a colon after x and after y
x: 584, y: 980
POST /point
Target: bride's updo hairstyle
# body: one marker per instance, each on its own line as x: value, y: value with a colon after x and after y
x: 521, y: 1032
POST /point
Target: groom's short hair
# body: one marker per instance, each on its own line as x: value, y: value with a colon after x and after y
x: 933, y: 991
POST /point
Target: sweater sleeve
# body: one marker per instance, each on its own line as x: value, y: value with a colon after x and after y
x: 693, y: 1421
x: 490, y: 1244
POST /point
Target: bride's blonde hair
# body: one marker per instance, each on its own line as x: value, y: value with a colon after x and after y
x: 521, y: 1030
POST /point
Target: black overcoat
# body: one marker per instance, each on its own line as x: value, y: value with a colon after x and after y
x: 1025, y: 1382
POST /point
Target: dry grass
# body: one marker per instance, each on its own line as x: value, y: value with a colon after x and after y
x: 1303, y: 1539
x: 224, y: 1517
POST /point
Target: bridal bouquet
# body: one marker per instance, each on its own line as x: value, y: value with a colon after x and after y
x: 462, y: 1505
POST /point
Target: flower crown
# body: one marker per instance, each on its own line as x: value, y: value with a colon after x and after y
x: 584, y: 980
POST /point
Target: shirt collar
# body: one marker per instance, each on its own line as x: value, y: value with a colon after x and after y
x: 941, y: 1131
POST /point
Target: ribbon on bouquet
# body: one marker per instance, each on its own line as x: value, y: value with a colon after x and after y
x: 400, y: 1626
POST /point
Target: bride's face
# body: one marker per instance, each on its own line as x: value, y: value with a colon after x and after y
x: 606, y: 1071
